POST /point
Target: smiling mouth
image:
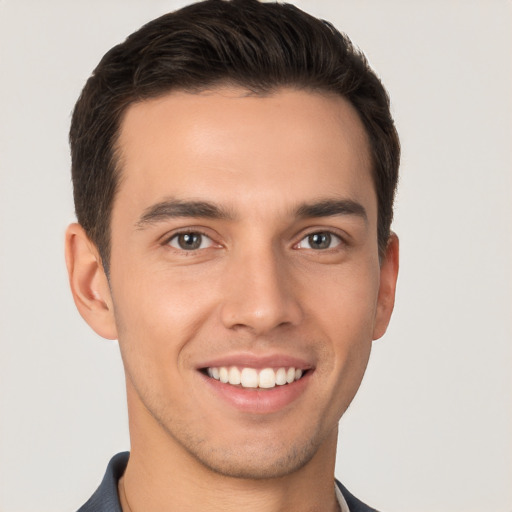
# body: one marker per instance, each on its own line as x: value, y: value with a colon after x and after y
x: 265, y: 378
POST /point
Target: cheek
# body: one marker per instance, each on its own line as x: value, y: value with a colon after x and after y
x: 345, y: 300
x: 345, y: 308
x: 157, y: 314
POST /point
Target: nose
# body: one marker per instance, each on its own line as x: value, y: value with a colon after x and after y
x: 258, y: 293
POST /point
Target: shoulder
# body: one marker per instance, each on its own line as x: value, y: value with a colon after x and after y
x: 353, y: 503
x: 105, y: 498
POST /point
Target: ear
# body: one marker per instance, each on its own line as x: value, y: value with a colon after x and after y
x: 89, y: 283
x: 387, y: 288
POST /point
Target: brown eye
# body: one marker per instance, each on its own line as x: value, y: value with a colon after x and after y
x: 190, y: 241
x: 319, y: 241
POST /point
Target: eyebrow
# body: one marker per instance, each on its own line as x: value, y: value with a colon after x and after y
x: 330, y: 208
x: 173, y: 208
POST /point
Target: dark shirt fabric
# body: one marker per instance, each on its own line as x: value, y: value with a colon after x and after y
x: 106, y: 499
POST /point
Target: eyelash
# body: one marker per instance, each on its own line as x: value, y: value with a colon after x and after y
x: 195, y: 232
x: 332, y: 237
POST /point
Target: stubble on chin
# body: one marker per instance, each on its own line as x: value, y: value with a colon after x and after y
x: 267, y: 458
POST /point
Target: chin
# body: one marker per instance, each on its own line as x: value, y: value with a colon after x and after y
x: 256, y: 462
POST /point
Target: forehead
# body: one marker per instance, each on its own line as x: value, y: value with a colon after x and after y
x: 230, y: 146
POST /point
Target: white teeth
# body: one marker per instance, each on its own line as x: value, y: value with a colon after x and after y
x: 250, y: 378
x: 223, y: 374
x: 234, y: 375
x: 281, y: 377
x: 267, y: 378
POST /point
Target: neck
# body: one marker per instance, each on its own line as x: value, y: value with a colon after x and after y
x: 171, y: 489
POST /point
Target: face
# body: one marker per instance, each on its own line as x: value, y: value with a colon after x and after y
x: 245, y: 281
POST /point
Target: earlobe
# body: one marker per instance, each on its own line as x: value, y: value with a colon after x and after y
x: 387, y: 288
x: 89, y: 284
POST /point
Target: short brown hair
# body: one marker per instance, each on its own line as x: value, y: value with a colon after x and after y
x: 259, y: 46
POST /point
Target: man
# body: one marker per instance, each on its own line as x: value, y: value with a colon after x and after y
x: 234, y: 166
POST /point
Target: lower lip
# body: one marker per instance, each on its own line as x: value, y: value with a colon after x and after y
x: 257, y: 400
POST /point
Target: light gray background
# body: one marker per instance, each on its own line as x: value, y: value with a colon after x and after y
x: 430, y: 430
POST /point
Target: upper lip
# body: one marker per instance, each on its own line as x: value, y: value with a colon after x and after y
x: 246, y: 360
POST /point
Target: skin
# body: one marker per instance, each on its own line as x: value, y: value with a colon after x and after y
x: 256, y: 287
